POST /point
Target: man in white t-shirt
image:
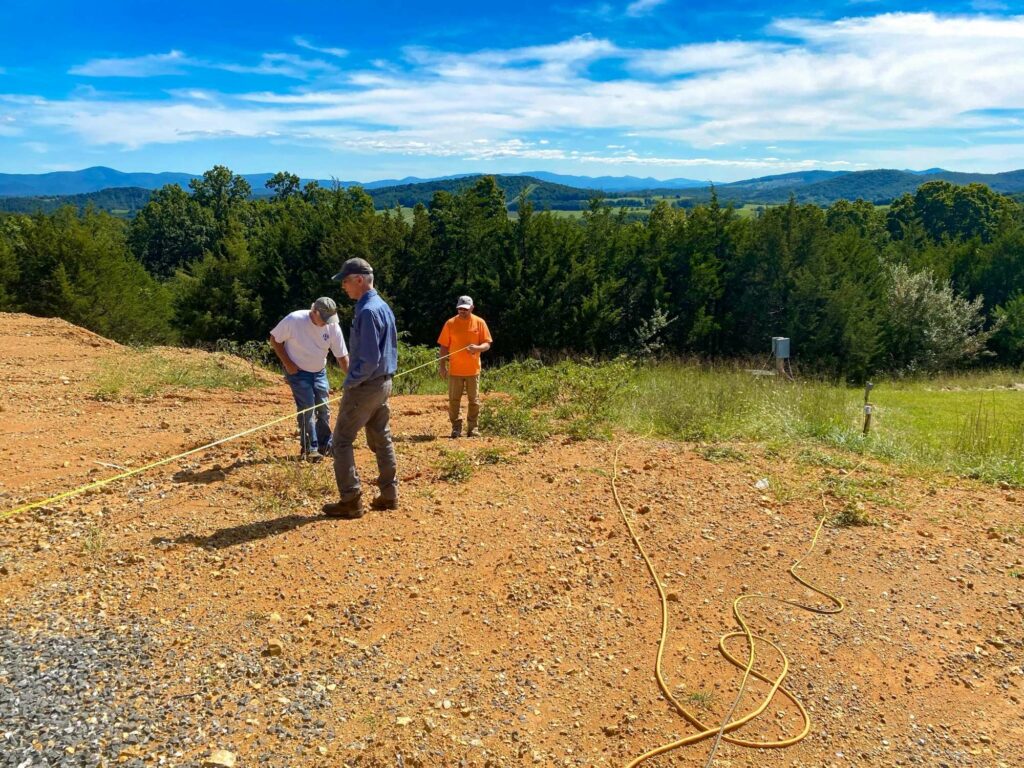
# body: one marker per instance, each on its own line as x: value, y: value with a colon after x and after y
x: 301, y: 341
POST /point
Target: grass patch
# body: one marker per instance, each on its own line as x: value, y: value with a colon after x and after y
x: 455, y: 466
x: 285, y: 487
x: 578, y: 399
x: 852, y: 515
x: 152, y: 372
x: 815, y: 457
x: 94, y: 541
x: 700, y: 699
x: 491, y: 456
x: 714, y: 452
x: 509, y: 419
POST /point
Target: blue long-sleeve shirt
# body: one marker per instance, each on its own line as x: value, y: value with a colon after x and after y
x: 372, y: 341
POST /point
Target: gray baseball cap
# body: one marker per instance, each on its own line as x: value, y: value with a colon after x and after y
x: 464, y: 301
x: 327, y: 309
x: 354, y: 266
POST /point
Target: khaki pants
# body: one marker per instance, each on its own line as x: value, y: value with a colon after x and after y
x: 456, y: 386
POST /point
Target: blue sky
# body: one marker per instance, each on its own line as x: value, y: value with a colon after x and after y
x: 364, y: 91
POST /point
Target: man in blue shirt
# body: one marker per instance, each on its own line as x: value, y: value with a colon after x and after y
x: 373, y: 360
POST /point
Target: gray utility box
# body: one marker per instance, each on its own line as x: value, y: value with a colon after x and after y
x: 780, y: 347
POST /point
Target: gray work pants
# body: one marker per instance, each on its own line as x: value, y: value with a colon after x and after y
x: 365, y: 405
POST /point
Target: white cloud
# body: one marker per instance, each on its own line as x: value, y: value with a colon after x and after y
x: 281, y: 64
x: 152, y: 65
x: 643, y: 7
x: 704, y: 57
x: 858, y: 80
x: 177, y: 63
x: 304, y: 43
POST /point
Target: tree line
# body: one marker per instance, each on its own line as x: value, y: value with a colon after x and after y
x: 933, y: 282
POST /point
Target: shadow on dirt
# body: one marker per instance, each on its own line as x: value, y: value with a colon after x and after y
x: 414, y: 438
x: 242, y: 534
x: 217, y: 473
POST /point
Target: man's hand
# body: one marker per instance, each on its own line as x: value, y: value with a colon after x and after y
x: 473, y: 349
x: 291, y: 369
x: 442, y: 371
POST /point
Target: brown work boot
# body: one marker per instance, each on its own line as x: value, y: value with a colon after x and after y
x: 380, y: 504
x: 346, y: 510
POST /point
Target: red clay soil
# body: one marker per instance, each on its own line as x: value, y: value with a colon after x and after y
x: 508, y: 619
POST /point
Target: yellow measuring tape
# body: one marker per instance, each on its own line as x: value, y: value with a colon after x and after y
x: 169, y: 459
x: 729, y: 724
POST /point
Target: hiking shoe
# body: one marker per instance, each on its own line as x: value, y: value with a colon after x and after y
x: 381, y: 504
x: 311, y: 456
x: 327, y: 452
x: 346, y: 510
x: 455, y: 433
x: 473, y: 432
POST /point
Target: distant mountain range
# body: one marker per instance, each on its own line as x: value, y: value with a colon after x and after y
x: 99, y: 177
x: 880, y: 186
x: 126, y: 192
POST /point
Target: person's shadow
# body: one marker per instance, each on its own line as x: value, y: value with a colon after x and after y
x: 217, y: 472
x: 242, y: 534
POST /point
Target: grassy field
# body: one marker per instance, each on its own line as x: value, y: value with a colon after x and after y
x: 970, y: 424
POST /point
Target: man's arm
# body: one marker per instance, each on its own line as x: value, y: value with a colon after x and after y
x: 366, y: 359
x: 442, y: 361
x: 485, y: 339
x: 286, y: 361
x: 338, y: 348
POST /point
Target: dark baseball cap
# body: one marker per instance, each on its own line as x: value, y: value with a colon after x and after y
x: 354, y: 266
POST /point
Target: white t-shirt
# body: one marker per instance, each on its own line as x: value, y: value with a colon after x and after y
x: 307, y: 344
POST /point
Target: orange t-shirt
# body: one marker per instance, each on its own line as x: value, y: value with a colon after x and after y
x: 457, y: 334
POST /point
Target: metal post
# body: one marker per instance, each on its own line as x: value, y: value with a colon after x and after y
x: 867, y: 407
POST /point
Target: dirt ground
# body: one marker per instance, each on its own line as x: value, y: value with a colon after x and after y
x: 505, y: 620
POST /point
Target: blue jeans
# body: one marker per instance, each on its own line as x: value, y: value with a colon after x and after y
x: 365, y: 405
x: 311, y: 389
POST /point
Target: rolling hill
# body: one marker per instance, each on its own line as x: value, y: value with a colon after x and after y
x: 125, y: 193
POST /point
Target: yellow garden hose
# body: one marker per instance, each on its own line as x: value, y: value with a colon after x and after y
x: 730, y: 724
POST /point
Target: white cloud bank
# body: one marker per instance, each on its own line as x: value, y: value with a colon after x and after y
x: 861, y: 81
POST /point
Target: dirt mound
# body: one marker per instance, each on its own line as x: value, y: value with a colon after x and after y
x: 19, y: 325
x: 502, y: 621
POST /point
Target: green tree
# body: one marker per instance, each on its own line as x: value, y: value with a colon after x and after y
x: 283, y: 184
x: 928, y: 327
x: 81, y: 269
x: 1008, y: 339
x: 221, y: 192
x: 170, y: 231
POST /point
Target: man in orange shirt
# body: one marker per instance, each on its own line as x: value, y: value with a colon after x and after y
x: 467, y: 336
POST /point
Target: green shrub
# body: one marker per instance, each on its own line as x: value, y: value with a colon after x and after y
x: 455, y: 466
x: 509, y: 419
x: 421, y: 364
